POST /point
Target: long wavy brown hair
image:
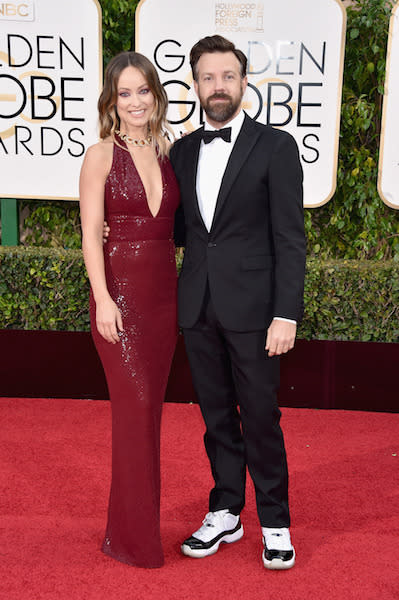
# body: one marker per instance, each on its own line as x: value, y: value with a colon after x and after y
x: 108, y: 116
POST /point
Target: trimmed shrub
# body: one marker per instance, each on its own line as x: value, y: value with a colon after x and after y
x: 45, y: 288
x: 351, y: 300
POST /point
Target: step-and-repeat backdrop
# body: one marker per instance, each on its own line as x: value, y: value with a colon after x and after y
x: 50, y: 80
x: 51, y: 76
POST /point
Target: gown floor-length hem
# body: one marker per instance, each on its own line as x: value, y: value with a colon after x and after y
x: 129, y: 562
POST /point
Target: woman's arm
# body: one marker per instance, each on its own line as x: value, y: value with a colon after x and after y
x: 95, y: 168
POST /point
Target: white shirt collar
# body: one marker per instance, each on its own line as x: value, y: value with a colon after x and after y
x: 235, y: 125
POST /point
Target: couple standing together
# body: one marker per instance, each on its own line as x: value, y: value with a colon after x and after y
x: 231, y: 193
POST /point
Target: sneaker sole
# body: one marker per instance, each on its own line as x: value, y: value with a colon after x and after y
x: 277, y: 564
x: 201, y: 553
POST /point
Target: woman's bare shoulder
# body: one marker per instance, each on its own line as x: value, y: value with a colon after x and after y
x: 99, y: 156
x: 103, y: 150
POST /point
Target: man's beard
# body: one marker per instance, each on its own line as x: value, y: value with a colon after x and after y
x: 221, y: 111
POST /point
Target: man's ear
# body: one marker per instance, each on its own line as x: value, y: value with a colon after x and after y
x: 195, y: 87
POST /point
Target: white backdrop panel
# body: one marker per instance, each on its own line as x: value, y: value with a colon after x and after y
x: 50, y: 79
x: 295, y: 51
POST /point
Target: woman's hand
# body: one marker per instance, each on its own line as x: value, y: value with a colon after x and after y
x: 106, y: 230
x: 108, y: 320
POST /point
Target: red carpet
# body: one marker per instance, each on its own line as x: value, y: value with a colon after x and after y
x: 54, y: 474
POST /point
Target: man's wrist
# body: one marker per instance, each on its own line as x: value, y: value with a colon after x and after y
x: 284, y: 319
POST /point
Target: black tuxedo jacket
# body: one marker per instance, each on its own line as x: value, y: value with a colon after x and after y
x: 254, y: 255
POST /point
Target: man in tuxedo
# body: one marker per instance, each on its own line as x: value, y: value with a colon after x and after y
x: 240, y: 296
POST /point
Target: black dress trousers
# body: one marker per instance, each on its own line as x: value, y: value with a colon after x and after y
x: 236, y: 384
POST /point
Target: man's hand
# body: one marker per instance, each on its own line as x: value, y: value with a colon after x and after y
x: 106, y: 231
x: 280, y: 337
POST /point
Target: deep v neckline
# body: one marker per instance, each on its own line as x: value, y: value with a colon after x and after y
x: 143, y: 187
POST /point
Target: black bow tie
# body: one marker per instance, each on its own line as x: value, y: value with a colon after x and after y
x: 208, y: 136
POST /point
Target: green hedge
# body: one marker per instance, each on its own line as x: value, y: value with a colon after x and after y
x: 351, y: 300
x: 44, y: 288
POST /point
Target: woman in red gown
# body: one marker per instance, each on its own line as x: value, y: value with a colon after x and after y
x: 127, y: 179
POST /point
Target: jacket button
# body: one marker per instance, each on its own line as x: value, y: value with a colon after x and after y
x: 211, y: 245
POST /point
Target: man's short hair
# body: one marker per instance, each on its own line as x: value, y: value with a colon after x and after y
x: 215, y: 43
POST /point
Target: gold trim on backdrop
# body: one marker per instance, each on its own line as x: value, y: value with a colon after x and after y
x: 100, y: 43
x: 338, y: 115
x: 385, y: 108
x: 136, y: 24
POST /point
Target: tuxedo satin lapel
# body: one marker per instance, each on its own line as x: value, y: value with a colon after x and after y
x: 192, y: 162
x: 246, y: 140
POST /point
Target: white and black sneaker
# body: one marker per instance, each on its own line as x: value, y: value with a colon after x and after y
x: 278, y: 552
x: 217, y: 527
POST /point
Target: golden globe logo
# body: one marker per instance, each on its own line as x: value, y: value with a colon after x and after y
x: 17, y: 11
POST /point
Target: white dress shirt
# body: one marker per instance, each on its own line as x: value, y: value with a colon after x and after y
x: 212, y: 163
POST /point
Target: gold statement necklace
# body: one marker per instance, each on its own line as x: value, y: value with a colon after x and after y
x: 138, y: 143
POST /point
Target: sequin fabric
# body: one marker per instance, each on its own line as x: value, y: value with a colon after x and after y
x: 141, y: 278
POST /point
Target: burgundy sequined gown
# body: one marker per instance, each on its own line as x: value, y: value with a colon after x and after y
x: 141, y: 277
